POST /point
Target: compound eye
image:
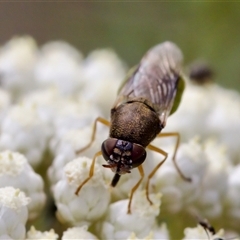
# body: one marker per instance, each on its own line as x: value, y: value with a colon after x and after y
x: 138, y: 155
x: 107, y: 147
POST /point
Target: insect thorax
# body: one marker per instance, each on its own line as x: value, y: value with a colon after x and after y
x: 135, y: 122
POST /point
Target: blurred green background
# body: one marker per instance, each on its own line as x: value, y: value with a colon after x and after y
x: 202, y: 29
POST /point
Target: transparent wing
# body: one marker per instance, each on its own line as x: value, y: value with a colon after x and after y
x: 155, y: 79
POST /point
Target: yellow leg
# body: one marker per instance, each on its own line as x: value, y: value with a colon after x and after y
x: 153, y: 148
x: 141, y: 171
x: 177, y: 136
x: 101, y: 120
x: 91, y: 172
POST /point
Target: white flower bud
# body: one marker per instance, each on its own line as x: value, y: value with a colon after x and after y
x: 17, y: 58
x: 118, y: 224
x: 214, y: 185
x: 47, y: 102
x: 59, y: 65
x: 14, y: 213
x: 232, y: 196
x: 74, y: 115
x: 223, y: 120
x: 23, y: 131
x: 5, y: 237
x: 103, y: 70
x: 5, y: 101
x: 156, y: 233
x: 190, y: 119
x: 80, y: 233
x: 15, y: 171
x: 218, y: 117
x: 134, y: 237
x: 35, y: 234
x: 93, y: 199
x: 191, y: 159
x: 65, y: 149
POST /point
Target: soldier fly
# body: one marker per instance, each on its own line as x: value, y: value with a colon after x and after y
x: 150, y: 93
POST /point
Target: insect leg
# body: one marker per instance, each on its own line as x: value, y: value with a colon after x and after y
x: 177, y: 136
x: 159, y: 150
x: 141, y: 171
x: 91, y: 172
x: 101, y: 120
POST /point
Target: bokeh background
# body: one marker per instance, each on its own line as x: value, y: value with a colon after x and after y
x: 203, y: 30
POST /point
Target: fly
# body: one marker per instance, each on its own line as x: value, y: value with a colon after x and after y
x: 150, y: 93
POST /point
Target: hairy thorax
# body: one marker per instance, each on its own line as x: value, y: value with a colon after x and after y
x: 135, y: 122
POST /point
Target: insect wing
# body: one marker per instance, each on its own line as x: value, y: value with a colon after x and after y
x: 156, y: 79
x: 178, y: 97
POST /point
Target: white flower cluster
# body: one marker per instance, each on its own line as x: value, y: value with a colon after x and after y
x: 49, y: 100
x: 47, y: 235
x: 15, y: 171
x: 13, y: 212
